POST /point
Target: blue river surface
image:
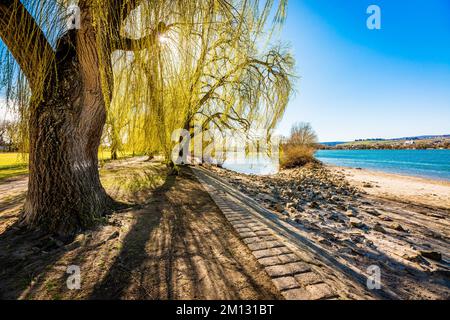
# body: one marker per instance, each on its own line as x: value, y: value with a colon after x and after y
x: 422, y: 163
x: 433, y: 164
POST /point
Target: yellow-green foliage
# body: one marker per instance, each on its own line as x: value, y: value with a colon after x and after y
x: 206, y: 63
x: 172, y: 62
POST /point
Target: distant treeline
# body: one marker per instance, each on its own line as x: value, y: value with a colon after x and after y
x: 442, y: 142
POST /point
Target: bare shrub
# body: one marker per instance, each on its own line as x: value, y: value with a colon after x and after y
x: 299, y: 148
x: 302, y: 134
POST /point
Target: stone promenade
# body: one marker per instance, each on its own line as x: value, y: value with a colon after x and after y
x: 294, y: 277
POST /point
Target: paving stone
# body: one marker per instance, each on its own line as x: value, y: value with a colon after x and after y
x: 260, y: 228
x: 233, y: 213
x: 308, y: 278
x: 252, y: 240
x: 284, y: 250
x: 254, y: 225
x: 268, y: 238
x: 320, y: 291
x: 238, y: 218
x: 267, y: 253
x: 298, y: 267
x: 244, y: 235
x: 265, y: 232
x: 264, y: 245
x: 287, y: 269
x: 243, y: 230
x: 274, y: 244
x: 258, y: 246
x: 290, y: 257
x: 278, y: 271
x: 296, y: 294
x: 269, y: 261
x: 285, y: 283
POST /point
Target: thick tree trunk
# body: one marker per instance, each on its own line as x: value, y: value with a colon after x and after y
x: 64, y: 190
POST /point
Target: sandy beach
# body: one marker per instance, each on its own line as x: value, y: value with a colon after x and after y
x: 422, y: 191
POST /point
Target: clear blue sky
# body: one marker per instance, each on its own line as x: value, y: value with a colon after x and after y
x: 360, y: 83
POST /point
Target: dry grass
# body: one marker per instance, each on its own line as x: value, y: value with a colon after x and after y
x: 293, y: 156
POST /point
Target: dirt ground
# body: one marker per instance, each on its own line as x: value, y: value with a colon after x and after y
x: 172, y: 242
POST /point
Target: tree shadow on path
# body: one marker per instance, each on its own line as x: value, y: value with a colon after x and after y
x: 181, y: 247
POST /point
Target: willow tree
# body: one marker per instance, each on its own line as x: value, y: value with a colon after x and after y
x: 70, y: 76
x: 216, y: 72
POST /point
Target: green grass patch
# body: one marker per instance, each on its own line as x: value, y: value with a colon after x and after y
x: 104, y: 155
x: 129, y: 180
x: 13, y: 164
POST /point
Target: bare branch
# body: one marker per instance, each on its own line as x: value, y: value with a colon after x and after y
x: 26, y: 41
